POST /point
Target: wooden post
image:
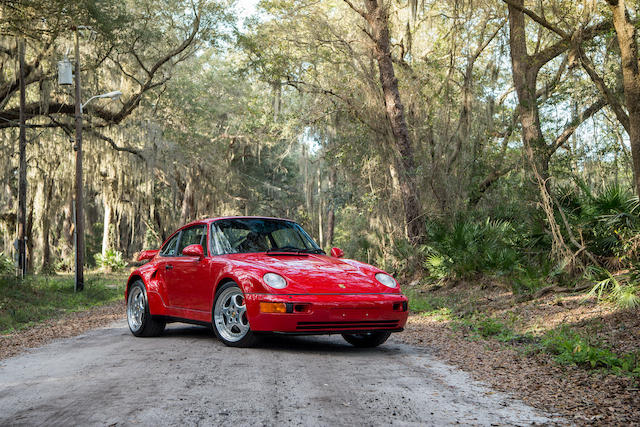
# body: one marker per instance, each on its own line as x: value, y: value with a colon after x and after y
x: 79, y: 285
x: 22, y: 179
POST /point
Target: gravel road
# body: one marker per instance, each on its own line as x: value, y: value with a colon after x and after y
x: 187, y: 377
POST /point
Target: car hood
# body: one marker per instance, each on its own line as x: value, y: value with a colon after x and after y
x: 311, y: 273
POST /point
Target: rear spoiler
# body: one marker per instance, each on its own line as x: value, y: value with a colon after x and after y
x: 145, y: 255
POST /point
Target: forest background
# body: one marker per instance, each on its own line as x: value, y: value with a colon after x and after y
x: 440, y: 140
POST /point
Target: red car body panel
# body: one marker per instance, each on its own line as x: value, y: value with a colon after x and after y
x: 325, y: 294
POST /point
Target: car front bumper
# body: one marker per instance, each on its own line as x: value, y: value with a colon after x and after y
x: 328, y: 313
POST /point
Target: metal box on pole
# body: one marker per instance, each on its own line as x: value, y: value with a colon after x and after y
x: 65, y: 72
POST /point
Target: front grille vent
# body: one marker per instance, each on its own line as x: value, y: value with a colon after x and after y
x: 363, y: 324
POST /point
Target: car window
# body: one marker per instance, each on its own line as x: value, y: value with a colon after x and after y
x: 284, y: 237
x: 250, y: 235
x: 193, y: 236
x: 169, y: 249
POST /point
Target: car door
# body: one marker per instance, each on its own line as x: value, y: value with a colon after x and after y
x: 165, y: 262
x: 189, y: 286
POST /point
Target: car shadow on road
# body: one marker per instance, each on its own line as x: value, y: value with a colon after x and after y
x: 285, y: 343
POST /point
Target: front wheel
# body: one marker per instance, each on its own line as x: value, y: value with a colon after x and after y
x: 367, y: 339
x: 141, y: 323
x: 230, y: 321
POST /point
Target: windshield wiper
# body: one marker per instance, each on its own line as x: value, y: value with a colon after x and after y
x: 312, y: 251
x: 296, y: 250
x: 284, y: 249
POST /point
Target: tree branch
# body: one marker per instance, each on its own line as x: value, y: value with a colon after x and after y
x: 360, y: 12
x: 539, y: 19
x: 575, y: 123
x: 116, y: 146
x: 613, y: 102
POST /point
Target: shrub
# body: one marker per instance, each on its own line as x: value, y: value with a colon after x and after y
x: 7, y: 265
x: 468, y: 247
x: 608, y: 220
x: 621, y: 289
x: 111, y: 261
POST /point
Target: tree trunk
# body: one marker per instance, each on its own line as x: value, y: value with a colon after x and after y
x: 46, y: 226
x: 186, y: 213
x: 626, y: 34
x: 67, y: 230
x: 29, y: 238
x: 377, y: 17
x: 525, y: 76
x: 320, y: 208
x: 105, y: 226
x: 331, y: 215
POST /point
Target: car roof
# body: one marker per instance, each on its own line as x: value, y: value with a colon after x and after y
x: 213, y: 219
x: 208, y: 221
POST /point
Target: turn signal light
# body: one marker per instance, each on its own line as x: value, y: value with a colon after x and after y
x: 400, y: 306
x: 273, y: 307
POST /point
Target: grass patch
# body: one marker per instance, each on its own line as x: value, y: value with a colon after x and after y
x: 429, y: 305
x: 38, y: 298
x: 569, y: 347
x: 487, y: 327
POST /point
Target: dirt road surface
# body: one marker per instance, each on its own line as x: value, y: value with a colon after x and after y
x: 187, y: 377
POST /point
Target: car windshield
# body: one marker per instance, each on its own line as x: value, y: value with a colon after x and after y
x: 245, y: 235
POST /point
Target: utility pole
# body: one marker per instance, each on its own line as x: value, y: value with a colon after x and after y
x: 22, y: 177
x: 79, y: 285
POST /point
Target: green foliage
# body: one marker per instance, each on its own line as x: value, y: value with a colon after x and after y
x: 7, y: 265
x: 468, y: 247
x: 111, y: 261
x: 608, y: 220
x: 422, y: 302
x: 438, y: 266
x: 37, y: 298
x: 569, y: 347
x: 486, y: 327
x: 489, y: 327
x: 622, y: 289
x: 350, y: 234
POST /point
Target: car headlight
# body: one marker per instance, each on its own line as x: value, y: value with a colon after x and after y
x: 274, y: 280
x: 386, y: 280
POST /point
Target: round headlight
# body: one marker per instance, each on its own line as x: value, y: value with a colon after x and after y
x: 386, y: 280
x: 274, y: 280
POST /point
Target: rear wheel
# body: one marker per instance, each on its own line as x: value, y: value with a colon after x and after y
x: 141, y: 323
x: 230, y: 321
x: 367, y: 339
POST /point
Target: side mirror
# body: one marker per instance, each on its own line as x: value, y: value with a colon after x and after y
x: 194, y: 250
x: 145, y: 255
x: 337, y: 252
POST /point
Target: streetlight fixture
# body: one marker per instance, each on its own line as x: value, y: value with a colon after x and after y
x: 116, y: 94
x: 63, y: 78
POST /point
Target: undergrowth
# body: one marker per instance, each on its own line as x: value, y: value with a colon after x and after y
x: 38, y: 298
x: 565, y: 345
x: 570, y: 347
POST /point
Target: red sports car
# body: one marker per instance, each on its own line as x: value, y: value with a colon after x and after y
x: 245, y: 276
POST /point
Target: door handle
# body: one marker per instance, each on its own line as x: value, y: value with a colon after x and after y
x: 168, y: 267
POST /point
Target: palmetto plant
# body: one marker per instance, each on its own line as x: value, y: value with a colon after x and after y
x: 468, y: 247
x: 608, y: 220
x: 110, y: 261
x: 621, y: 289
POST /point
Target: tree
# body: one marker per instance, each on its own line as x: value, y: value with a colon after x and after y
x: 627, y: 41
x: 375, y: 12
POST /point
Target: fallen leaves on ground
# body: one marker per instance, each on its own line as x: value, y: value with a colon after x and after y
x: 583, y: 397
x: 69, y: 325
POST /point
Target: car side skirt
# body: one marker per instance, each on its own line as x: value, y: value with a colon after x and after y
x: 174, y: 319
x: 333, y: 332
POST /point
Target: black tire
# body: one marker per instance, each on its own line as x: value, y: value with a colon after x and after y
x: 229, y: 317
x: 141, y: 323
x: 367, y: 339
